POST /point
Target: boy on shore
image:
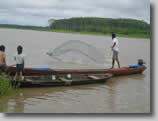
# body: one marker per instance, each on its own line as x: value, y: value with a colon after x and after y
x: 19, y: 58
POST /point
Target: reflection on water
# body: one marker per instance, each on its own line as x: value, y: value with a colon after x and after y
x: 124, y: 94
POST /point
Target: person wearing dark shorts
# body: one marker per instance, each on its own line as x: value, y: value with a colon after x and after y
x: 19, y: 68
x: 3, y: 68
x: 19, y: 58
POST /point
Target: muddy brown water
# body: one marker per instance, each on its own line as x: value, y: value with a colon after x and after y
x: 124, y: 94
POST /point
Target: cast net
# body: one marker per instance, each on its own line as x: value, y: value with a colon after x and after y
x: 75, y: 51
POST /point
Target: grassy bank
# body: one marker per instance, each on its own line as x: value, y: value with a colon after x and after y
x: 5, y: 86
x: 102, y: 34
x: 83, y: 32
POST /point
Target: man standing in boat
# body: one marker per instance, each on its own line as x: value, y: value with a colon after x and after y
x: 115, y: 50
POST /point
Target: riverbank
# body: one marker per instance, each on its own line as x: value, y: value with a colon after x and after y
x: 102, y: 34
x: 88, y: 33
x: 5, y: 86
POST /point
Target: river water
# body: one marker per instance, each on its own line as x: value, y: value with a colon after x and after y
x: 124, y: 94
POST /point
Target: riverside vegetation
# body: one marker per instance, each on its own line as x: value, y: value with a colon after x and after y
x: 95, y: 26
x: 5, y: 86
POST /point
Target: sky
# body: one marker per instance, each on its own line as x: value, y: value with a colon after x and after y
x: 38, y: 12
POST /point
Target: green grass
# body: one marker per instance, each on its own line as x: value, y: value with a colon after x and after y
x: 5, y: 86
x: 84, y: 32
x: 102, y: 34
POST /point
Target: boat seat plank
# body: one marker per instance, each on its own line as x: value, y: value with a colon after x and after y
x: 93, y: 77
x: 64, y: 79
x: 67, y: 82
x: 28, y: 80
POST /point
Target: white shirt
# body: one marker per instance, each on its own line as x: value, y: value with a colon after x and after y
x: 115, y: 40
x: 19, y: 58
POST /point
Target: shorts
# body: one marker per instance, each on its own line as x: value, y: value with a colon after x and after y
x: 19, y: 67
x: 115, y: 55
x: 3, y: 68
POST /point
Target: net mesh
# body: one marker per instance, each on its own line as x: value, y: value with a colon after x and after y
x: 77, y: 51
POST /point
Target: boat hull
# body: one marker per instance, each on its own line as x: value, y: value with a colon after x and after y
x: 46, y: 81
x: 115, y: 72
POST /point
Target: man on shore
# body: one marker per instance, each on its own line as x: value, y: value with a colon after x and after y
x: 2, y: 58
x: 115, y: 50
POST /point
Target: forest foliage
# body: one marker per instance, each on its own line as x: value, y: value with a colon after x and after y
x: 103, y: 25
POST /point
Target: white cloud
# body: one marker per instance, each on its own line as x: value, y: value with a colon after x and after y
x: 37, y: 12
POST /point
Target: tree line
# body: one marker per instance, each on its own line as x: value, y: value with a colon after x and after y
x: 102, y: 25
x: 22, y: 26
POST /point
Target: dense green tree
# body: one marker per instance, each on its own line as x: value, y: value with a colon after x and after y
x: 102, y: 25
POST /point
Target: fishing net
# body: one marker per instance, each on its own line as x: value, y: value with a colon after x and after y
x: 76, y: 51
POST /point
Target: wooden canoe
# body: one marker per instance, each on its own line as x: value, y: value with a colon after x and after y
x: 47, y: 81
x: 115, y: 72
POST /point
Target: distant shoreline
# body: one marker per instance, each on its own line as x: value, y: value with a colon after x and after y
x: 84, y: 33
x: 122, y: 27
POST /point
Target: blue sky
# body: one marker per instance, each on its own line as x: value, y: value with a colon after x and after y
x: 38, y: 12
